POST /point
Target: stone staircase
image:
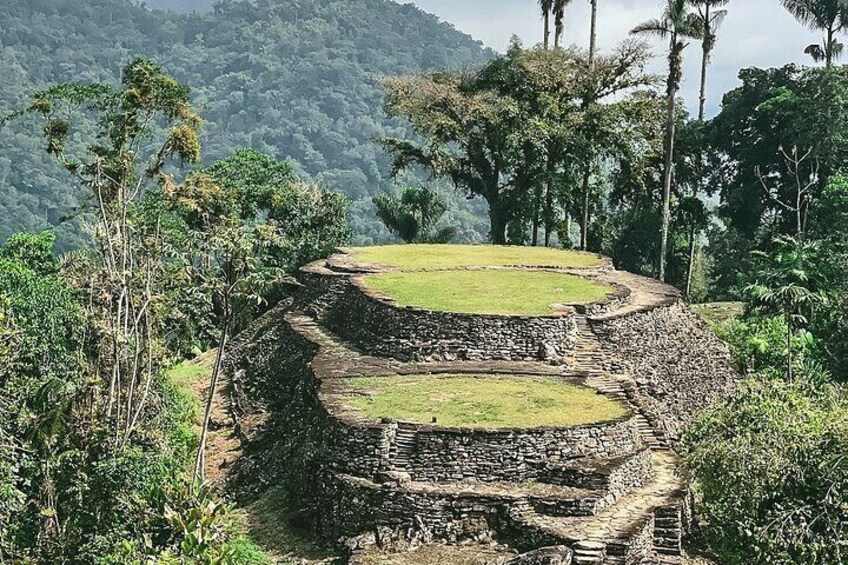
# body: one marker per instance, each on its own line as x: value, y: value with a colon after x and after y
x: 590, y: 359
x: 403, y: 447
x: 647, y: 519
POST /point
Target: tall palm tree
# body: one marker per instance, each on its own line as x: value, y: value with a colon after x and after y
x: 830, y: 16
x: 559, y: 20
x: 593, y: 30
x: 710, y: 19
x: 587, y: 168
x: 676, y: 24
x: 547, y: 7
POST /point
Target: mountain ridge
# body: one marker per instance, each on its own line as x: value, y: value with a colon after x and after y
x: 292, y: 79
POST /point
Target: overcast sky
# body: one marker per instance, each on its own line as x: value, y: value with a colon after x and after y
x: 756, y: 33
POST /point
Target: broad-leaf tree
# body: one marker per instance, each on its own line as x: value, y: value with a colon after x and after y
x: 241, y: 244
x: 471, y: 137
x: 789, y: 283
x: 142, y: 126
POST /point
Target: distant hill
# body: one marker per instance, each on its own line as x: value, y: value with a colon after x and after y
x: 293, y: 78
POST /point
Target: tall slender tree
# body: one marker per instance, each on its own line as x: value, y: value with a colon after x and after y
x: 547, y: 7
x: 829, y: 16
x: 587, y: 169
x: 676, y: 24
x: 710, y: 18
x: 593, y: 30
x: 559, y: 7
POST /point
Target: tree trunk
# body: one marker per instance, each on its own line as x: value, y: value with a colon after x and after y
x: 537, y: 197
x: 200, y: 461
x: 549, y: 204
x: 669, y: 157
x: 828, y: 49
x: 789, y: 348
x: 584, y: 220
x: 593, y: 33
x: 497, y: 221
x: 691, y: 269
x: 547, y: 30
x: 705, y: 61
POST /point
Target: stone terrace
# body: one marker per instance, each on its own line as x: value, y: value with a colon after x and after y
x: 593, y: 494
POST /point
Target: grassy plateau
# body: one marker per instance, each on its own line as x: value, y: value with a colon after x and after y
x: 411, y: 257
x: 509, y: 293
x: 479, y: 401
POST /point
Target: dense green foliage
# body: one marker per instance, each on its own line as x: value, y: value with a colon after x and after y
x: 771, y: 470
x: 293, y: 80
x: 518, y: 132
x: 95, y: 439
x: 413, y: 214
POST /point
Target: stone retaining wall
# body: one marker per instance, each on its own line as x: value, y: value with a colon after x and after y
x: 352, y: 505
x: 453, y: 454
x: 379, y: 328
x: 680, y: 367
x: 616, y: 477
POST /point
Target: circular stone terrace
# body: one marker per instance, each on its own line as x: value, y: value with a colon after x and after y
x: 476, y: 391
x: 447, y: 302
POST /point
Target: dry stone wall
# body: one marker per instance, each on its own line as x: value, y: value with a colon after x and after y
x: 455, y: 454
x: 408, y: 334
x: 678, y: 364
x: 429, y: 483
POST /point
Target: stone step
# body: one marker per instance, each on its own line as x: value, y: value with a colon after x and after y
x: 620, y: 524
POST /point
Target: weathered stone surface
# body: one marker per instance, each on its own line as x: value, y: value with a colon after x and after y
x: 559, y: 555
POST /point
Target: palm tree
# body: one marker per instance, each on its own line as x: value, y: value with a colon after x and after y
x: 559, y: 19
x: 593, y: 30
x: 789, y: 284
x: 676, y: 24
x: 547, y: 7
x: 830, y: 16
x: 710, y: 19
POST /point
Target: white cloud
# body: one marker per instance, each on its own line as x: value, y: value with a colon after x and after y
x: 756, y: 33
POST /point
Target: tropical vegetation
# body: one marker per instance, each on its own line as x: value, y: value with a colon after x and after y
x: 159, y: 191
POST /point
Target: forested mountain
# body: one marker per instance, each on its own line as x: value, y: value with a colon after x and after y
x: 292, y: 78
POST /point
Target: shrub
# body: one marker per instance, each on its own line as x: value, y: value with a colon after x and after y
x: 770, y: 467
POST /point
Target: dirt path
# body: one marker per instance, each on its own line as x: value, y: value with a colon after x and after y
x: 266, y: 519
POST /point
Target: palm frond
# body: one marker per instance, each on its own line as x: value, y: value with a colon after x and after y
x: 816, y: 52
x: 659, y: 28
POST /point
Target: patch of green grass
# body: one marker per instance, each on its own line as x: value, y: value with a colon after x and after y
x: 526, y: 293
x: 267, y: 521
x: 444, y: 256
x: 715, y: 313
x: 480, y: 401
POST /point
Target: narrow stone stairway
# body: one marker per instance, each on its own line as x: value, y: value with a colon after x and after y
x: 404, y: 447
x: 649, y: 515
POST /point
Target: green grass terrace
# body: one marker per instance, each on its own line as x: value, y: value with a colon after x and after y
x: 472, y: 401
x: 412, y: 257
x: 492, y: 292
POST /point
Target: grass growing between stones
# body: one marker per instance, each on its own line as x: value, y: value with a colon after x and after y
x: 525, y: 293
x: 480, y: 401
x: 445, y: 256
